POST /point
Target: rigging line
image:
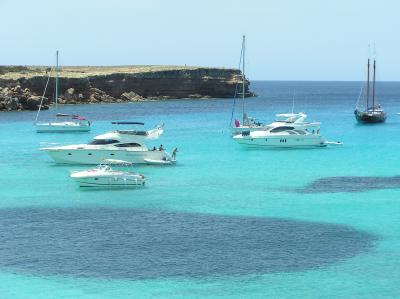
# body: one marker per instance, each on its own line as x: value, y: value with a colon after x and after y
x: 57, y: 75
x: 45, y: 88
x: 359, y: 96
x: 236, y: 89
x: 243, y: 75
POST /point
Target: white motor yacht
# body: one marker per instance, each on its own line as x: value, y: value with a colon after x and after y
x: 126, y: 145
x: 293, y: 119
x: 104, y: 176
x: 290, y: 132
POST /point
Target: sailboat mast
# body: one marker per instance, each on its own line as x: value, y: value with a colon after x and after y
x: 368, y: 85
x: 373, y: 89
x: 243, y: 76
x: 56, y: 99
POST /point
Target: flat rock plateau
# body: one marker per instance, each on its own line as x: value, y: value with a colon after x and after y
x: 22, y: 87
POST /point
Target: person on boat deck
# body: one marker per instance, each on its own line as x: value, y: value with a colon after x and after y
x: 161, y: 148
x: 174, y: 153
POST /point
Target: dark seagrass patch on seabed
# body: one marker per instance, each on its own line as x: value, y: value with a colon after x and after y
x: 350, y: 184
x: 110, y: 243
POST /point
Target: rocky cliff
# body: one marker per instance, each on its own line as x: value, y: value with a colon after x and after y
x: 21, y: 87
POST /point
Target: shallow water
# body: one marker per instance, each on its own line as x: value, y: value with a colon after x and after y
x: 223, y: 222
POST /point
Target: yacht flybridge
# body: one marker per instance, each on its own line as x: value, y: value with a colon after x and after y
x: 75, y: 124
x: 126, y: 145
x: 292, y: 131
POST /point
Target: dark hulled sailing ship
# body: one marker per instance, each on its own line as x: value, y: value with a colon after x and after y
x: 374, y: 113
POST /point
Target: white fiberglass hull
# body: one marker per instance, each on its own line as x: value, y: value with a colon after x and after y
x: 270, y: 142
x: 62, y: 127
x: 96, y: 156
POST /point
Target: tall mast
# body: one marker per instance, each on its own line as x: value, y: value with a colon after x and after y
x: 368, y: 85
x: 56, y: 81
x: 373, y: 89
x: 243, y: 76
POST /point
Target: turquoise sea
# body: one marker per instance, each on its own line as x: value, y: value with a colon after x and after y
x: 225, y: 222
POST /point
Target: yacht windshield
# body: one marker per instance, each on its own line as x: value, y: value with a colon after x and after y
x: 103, y: 141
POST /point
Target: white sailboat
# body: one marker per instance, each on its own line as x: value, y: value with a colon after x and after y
x: 75, y: 124
x: 248, y: 123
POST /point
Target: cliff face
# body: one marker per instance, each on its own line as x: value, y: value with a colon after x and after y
x: 113, y: 84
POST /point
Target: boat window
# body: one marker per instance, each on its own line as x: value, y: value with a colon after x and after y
x: 281, y: 129
x: 300, y: 132
x: 133, y: 132
x: 103, y: 141
x: 128, y: 145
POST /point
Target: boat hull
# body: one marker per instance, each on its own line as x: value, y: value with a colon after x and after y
x: 272, y: 142
x: 113, y: 182
x: 62, y: 127
x: 370, y: 117
x: 95, y: 157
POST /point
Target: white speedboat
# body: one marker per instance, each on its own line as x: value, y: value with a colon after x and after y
x: 291, y: 132
x: 104, y: 176
x: 75, y: 124
x: 126, y: 145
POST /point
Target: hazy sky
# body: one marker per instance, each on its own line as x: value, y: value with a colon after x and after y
x: 286, y: 39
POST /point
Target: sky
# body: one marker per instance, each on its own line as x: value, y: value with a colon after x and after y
x: 285, y: 39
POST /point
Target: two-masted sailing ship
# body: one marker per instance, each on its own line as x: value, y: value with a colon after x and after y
x: 373, y: 112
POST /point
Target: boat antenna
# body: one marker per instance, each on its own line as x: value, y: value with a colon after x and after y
x: 243, y: 76
x: 294, y: 94
x: 57, y: 70
x: 373, y: 83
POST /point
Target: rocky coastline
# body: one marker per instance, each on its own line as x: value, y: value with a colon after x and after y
x: 21, y: 88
